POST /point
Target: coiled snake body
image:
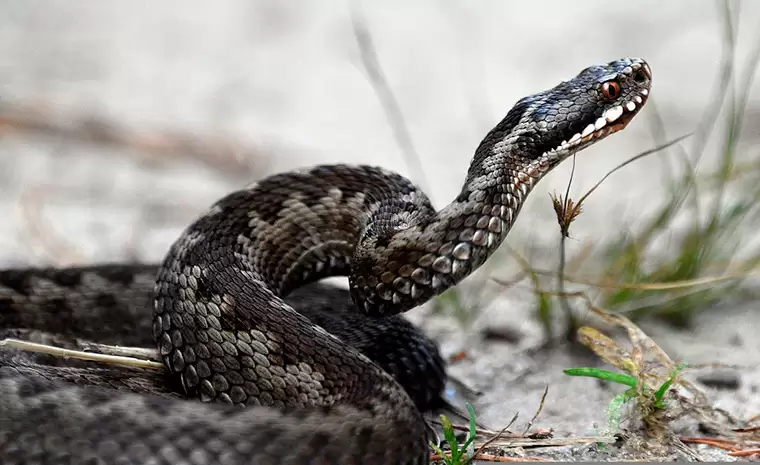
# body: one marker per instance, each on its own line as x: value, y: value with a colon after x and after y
x: 226, y: 332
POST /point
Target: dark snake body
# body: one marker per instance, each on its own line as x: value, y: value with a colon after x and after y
x: 330, y: 382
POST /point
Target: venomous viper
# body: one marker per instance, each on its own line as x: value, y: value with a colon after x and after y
x: 238, y: 320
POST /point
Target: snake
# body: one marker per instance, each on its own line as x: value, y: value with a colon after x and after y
x: 264, y: 362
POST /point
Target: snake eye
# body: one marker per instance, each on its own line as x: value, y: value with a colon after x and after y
x: 610, y: 90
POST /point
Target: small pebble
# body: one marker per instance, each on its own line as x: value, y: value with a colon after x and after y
x: 721, y: 379
x: 503, y: 333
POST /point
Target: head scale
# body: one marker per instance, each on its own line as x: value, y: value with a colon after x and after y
x: 550, y: 125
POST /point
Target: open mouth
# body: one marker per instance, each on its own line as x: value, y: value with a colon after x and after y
x: 612, y: 120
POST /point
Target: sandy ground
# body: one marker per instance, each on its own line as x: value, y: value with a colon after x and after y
x: 269, y: 86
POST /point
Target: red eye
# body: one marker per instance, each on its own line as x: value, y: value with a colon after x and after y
x: 611, y: 90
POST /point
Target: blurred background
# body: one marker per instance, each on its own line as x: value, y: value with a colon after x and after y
x: 120, y: 123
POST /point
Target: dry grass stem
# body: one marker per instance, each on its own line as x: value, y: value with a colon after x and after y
x: 218, y: 153
x: 386, y: 96
x: 496, y: 458
x: 116, y: 360
x: 122, y: 351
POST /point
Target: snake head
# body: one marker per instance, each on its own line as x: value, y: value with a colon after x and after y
x: 548, y: 126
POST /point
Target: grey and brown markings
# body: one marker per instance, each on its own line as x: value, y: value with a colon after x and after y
x: 235, y: 325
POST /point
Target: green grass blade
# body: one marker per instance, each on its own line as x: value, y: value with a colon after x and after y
x: 473, y: 427
x: 668, y: 382
x: 448, y: 434
x: 605, y: 375
x: 615, y: 409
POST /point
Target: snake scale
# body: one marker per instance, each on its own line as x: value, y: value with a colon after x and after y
x: 328, y: 376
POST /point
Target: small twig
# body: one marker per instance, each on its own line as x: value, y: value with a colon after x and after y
x: 482, y: 431
x: 749, y: 429
x: 733, y: 446
x: 538, y: 410
x: 552, y: 442
x: 655, y: 286
x: 527, y: 428
x: 492, y: 439
x: 687, y: 451
x: 466, y: 428
x: 540, y: 434
x: 744, y: 453
x: 215, y: 152
x: 122, y: 351
x: 497, y: 458
x: 714, y: 442
x: 640, y: 303
x: 631, y: 160
x: 117, y: 360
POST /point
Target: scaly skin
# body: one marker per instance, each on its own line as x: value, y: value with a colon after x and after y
x: 227, y: 334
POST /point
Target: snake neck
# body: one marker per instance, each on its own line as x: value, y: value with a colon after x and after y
x: 402, y: 265
x: 413, y: 262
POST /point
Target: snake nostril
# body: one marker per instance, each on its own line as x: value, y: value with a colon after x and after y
x: 640, y: 77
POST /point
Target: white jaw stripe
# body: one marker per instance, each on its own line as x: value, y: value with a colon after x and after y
x: 601, y: 127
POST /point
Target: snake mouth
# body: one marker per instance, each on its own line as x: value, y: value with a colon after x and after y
x: 613, y: 119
